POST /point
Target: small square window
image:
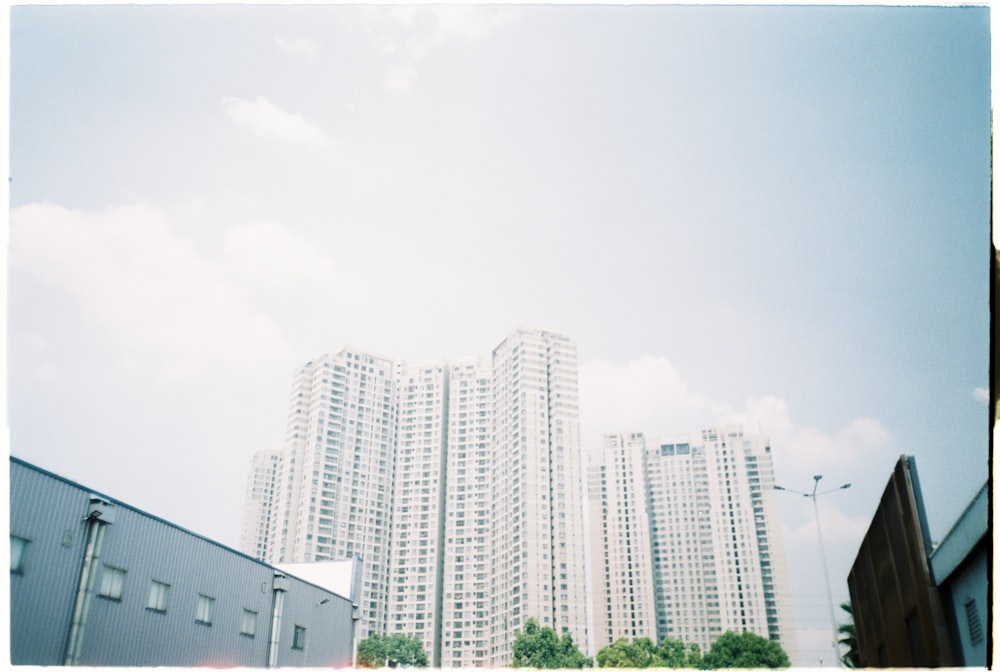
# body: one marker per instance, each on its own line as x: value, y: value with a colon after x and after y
x: 112, y: 582
x: 159, y: 594
x: 205, y: 609
x: 299, y: 639
x: 249, y: 626
x: 18, y: 546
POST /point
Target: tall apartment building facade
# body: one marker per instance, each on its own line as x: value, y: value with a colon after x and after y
x: 538, y: 536
x: 417, y: 523
x: 468, y: 579
x: 713, y: 552
x: 458, y: 483
x: 621, y: 556
x: 258, y: 525
x: 333, y: 485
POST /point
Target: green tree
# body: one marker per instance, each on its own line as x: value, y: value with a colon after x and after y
x: 849, y: 638
x: 673, y: 653
x: 625, y: 654
x: 371, y: 651
x: 649, y: 652
x: 643, y: 653
x: 541, y: 648
x: 744, y: 650
x: 694, y: 657
x: 393, y: 651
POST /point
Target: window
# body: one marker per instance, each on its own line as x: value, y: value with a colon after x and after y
x: 17, y: 549
x: 112, y: 582
x: 203, y: 614
x: 159, y: 593
x: 249, y: 627
x: 975, y: 625
x: 299, y: 638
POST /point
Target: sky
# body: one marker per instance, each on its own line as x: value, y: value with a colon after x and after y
x: 774, y: 216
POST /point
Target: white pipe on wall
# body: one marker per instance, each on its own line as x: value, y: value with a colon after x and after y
x: 280, y: 585
x: 95, y: 535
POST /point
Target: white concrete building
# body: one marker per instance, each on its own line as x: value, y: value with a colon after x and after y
x: 467, y: 572
x: 459, y: 484
x: 417, y: 564
x: 717, y: 559
x: 257, y: 526
x: 621, y: 559
x: 332, y: 499
x: 538, y: 535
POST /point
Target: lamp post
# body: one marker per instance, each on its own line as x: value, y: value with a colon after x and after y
x: 822, y: 553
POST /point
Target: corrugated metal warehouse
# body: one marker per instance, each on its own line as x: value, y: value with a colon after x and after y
x: 97, y: 582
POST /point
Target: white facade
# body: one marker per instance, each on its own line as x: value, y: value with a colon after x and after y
x: 257, y: 527
x: 467, y: 577
x: 417, y: 563
x: 622, y: 567
x: 538, y: 535
x: 717, y: 560
x: 335, y: 477
x: 459, y: 484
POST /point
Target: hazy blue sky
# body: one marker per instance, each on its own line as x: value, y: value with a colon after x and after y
x: 773, y: 215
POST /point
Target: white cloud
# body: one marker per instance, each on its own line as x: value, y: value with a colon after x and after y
x: 649, y: 395
x: 399, y: 80
x: 300, y: 45
x: 46, y: 371
x: 840, y: 531
x: 157, y: 295
x: 470, y: 22
x: 267, y: 254
x: 646, y: 395
x: 805, y: 450
x: 36, y: 349
x: 34, y: 342
x: 981, y: 394
x: 269, y: 121
x: 414, y: 31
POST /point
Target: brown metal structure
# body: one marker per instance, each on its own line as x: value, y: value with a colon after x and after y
x: 898, y: 612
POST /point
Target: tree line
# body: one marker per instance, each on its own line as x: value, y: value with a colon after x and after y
x: 541, y: 648
x: 743, y: 650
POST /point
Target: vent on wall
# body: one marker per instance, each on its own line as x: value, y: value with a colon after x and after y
x: 975, y: 625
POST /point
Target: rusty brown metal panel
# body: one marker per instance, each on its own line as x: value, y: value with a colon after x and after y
x: 898, y: 612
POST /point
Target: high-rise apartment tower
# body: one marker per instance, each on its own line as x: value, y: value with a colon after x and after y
x: 468, y: 520
x: 621, y: 553
x: 417, y: 521
x: 333, y: 488
x: 257, y: 527
x: 692, y: 523
x: 538, y: 534
x: 459, y: 484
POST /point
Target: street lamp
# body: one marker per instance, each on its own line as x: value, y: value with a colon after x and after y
x: 822, y: 553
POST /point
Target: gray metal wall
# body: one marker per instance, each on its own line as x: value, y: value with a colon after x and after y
x: 49, y: 511
x: 50, y: 515
x: 970, y: 582
x: 327, y: 643
x: 128, y: 633
x: 960, y: 565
